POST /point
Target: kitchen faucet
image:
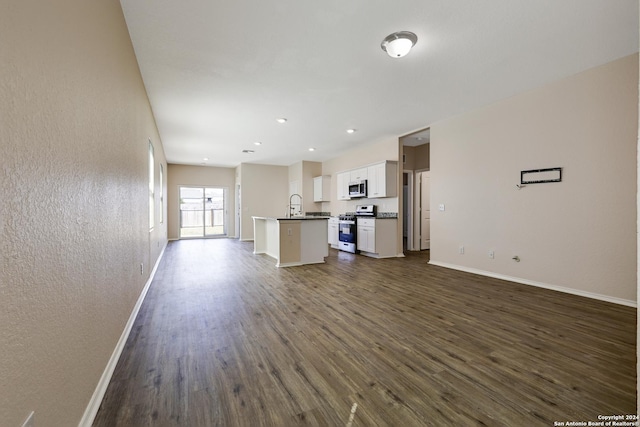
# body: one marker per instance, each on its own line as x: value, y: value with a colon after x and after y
x: 291, y: 206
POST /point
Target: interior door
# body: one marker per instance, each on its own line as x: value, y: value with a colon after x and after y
x: 425, y: 211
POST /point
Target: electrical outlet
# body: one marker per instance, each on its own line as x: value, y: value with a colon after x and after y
x: 491, y: 254
x: 461, y: 250
x: 441, y: 207
x: 29, y: 422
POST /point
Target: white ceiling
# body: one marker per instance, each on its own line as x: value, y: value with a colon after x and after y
x: 219, y: 74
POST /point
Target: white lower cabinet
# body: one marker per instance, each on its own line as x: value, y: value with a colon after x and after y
x: 333, y: 228
x: 377, y: 237
x: 366, y: 235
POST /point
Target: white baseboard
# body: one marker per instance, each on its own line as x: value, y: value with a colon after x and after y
x: 601, y: 297
x: 94, y: 404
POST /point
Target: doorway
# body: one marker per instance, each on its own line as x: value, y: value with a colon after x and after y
x: 423, y: 198
x: 407, y: 211
x: 203, y: 212
x: 416, y: 218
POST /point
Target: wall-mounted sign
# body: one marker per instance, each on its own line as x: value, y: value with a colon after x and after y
x: 540, y: 176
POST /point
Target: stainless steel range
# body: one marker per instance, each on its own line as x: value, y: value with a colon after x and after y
x: 347, y: 223
x: 347, y: 233
x: 366, y: 210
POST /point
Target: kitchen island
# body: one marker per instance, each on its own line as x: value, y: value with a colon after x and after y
x: 291, y: 241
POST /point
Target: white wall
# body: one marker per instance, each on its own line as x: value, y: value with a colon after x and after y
x: 74, y: 222
x: 578, y: 234
x: 203, y: 176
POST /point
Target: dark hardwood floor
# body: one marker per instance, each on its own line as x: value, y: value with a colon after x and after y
x: 224, y: 338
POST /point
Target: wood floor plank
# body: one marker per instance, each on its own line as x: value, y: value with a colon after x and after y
x: 224, y: 338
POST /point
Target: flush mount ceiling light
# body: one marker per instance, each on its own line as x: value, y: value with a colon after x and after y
x: 399, y: 44
x: 351, y: 130
x: 281, y: 120
x: 312, y: 149
x: 257, y: 143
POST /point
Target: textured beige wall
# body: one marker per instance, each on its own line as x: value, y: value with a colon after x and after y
x: 74, y: 126
x: 577, y: 234
x: 638, y: 254
x: 409, y: 158
x: 265, y: 192
x: 309, y: 171
x: 204, y: 176
x: 422, y: 158
x: 416, y: 158
x: 304, y: 172
x: 296, y: 184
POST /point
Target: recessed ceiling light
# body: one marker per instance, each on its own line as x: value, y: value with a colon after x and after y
x: 281, y: 120
x: 257, y: 143
x: 312, y: 149
x: 351, y: 130
x: 205, y: 159
x: 248, y: 151
x: 399, y: 44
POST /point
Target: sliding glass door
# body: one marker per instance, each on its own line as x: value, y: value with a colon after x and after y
x: 203, y: 212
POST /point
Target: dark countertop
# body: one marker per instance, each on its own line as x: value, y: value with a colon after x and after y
x: 304, y: 218
x: 294, y: 218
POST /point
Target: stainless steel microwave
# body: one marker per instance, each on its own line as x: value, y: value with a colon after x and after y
x: 358, y: 189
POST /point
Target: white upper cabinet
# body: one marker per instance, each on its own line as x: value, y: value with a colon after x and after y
x: 358, y: 174
x: 343, y: 180
x: 321, y: 189
x: 382, y: 180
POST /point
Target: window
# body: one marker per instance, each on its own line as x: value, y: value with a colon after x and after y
x: 152, y: 195
x: 203, y: 212
x: 161, y: 213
